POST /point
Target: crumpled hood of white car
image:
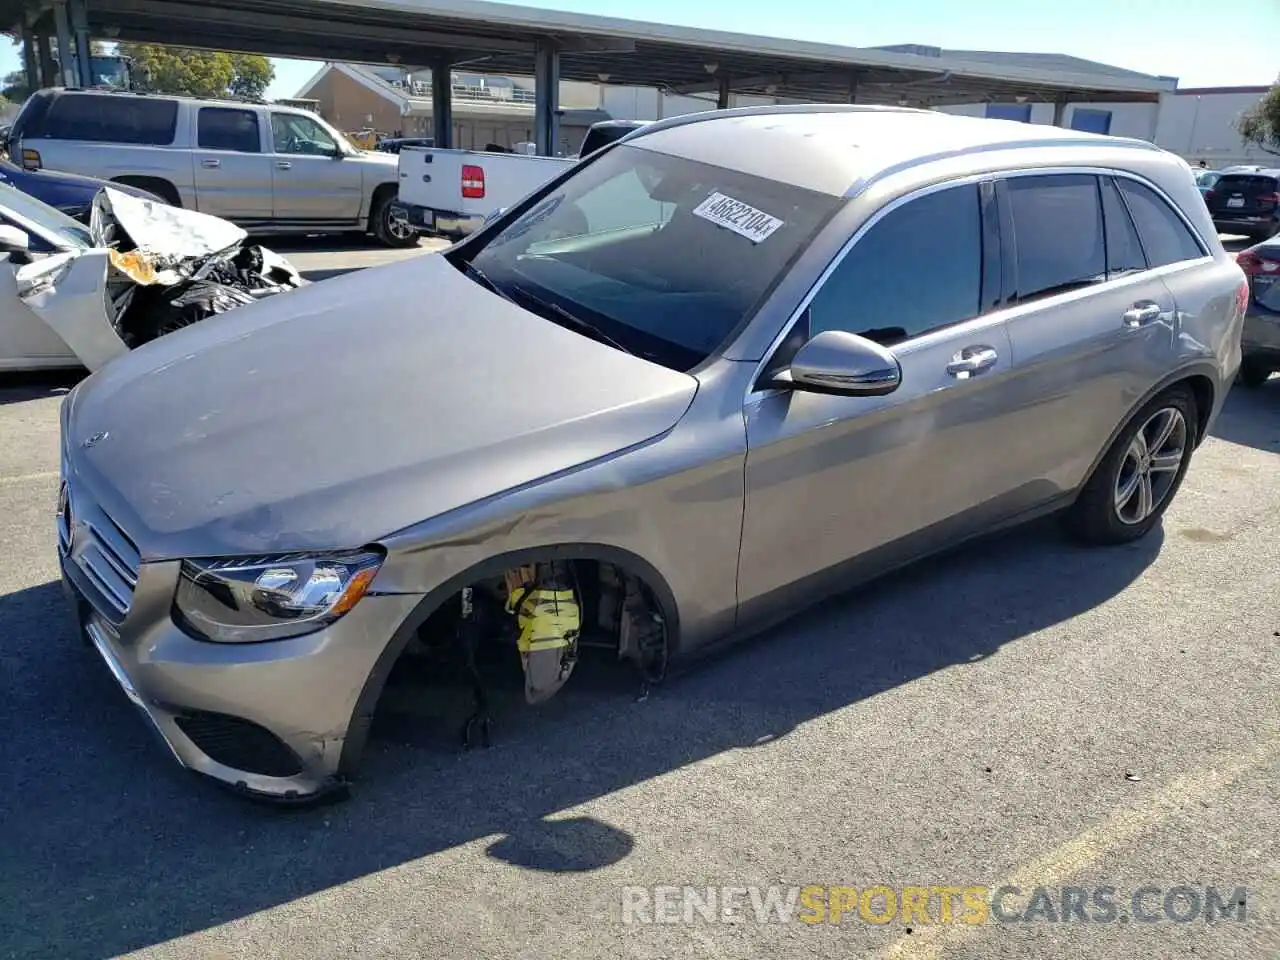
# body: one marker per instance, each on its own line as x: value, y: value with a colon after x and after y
x: 165, y: 237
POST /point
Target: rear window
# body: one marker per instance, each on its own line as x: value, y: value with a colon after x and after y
x: 1249, y: 184
x: 140, y: 120
x: 665, y: 255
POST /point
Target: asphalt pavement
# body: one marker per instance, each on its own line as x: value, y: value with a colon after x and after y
x: 1022, y: 713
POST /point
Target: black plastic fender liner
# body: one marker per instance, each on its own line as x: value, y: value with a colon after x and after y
x: 495, y: 566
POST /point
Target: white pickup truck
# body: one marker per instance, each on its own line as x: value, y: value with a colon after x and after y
x: 450, y: 193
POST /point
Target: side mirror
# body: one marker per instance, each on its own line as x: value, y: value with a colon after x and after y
x: 13, y: 240
x: 841, y: 363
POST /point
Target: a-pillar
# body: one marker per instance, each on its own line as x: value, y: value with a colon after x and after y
x: 442, y: 103
x: 1059, y: 111
x: 79, y: 10
x: 546, y: 93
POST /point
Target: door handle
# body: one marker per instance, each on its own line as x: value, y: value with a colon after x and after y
x: 971, y: 361
x: 1141, y: 313
x: 283, y: 165
x: 211, y: 163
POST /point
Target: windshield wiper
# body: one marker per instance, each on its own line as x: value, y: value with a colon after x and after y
x: 475, y: 273
x: 571, y: 319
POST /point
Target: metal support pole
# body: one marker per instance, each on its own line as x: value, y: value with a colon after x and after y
x: 851, y: 95
x: 66, y: 52
x: 30, y: 64
x: 442, y: 103
x: 80, y: 28
x: 546, y: 92
x: 1059, y: 112
x: 48, y: 68
x: 722, y: 94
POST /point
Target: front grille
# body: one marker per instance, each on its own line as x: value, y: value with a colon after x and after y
x: 102, y: 551
x: 240, y: 744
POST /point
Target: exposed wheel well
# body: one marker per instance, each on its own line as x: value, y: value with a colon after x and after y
x: 1202, y: 389
x: 157, y: 185
x: 381, y: 193
x: 591, y: 564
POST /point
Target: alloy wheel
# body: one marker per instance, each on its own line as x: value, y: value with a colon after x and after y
x: 1150, y: 465
x: 397, y: 221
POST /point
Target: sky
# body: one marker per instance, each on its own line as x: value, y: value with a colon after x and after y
x: 1174, y: 38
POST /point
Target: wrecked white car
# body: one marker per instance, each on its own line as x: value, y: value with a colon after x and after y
x: 74, y: 296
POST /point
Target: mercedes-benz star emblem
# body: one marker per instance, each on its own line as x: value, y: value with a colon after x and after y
x: 96, y: 439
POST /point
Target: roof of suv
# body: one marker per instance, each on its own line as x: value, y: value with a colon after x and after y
x: 150, y: 95
x: 833, y: 148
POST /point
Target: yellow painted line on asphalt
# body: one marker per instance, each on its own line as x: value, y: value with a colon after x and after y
x: 28, y: 478
x: 1089, y: 848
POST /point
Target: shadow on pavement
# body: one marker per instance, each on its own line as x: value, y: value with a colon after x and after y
x: 21, y: 387
x: 109, y: 848
x: 1251, y: 416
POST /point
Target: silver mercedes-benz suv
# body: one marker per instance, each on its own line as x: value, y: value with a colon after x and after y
x: 715, y: 372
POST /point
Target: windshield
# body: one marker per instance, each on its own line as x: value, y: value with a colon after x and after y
x: 663, y: 256
x: 15, y: 203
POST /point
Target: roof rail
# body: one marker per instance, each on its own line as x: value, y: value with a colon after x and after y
x: 765, y: 110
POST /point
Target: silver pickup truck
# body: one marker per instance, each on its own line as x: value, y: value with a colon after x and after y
x: 268, y: 169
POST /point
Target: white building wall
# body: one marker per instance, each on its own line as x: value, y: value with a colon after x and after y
x: 1202, y: 126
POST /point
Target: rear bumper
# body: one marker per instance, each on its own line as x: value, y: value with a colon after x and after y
x: 1226, y: 223
x: 1261, y: 336
x: 442, y: 222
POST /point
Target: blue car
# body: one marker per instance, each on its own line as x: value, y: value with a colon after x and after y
x: 68, y: 192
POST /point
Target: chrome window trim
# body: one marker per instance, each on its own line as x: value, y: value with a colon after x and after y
x: 753, y: 394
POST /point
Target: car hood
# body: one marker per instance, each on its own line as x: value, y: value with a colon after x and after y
x: 337, y: 414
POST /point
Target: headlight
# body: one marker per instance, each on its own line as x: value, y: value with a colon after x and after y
x: 248, y: 599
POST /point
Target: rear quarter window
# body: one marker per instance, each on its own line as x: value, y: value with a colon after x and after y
x: 147, y: 121
x: 1165, y: 237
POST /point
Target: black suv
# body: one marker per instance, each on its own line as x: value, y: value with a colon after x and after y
x: 1246, y: 203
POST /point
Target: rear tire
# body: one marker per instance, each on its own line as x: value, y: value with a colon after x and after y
x: 1137, y: 479
x: 1253, y: 373
x: 390, y: 226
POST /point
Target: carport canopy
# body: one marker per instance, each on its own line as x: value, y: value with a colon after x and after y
x: 550, y: 45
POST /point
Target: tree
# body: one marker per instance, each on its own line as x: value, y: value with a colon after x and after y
x: 199, y: 73
x: 14, y: 86
x: 1260, y: 124
x: 253, y: 76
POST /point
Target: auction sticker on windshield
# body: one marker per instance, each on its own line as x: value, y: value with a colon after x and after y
x: 741, y: 218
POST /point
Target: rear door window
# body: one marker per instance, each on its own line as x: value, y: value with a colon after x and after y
x: 222, y: 128
x: 1165, y: 237
x: 917, y: 269
x: 118, y: 118
x: 1058, y: 231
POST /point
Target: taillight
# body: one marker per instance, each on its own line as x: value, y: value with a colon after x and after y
x: 1209, y: 194
x: 1242, y: 298
x: 1269, y: 198
x: 472, y: 182
x: 1252, y: 264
